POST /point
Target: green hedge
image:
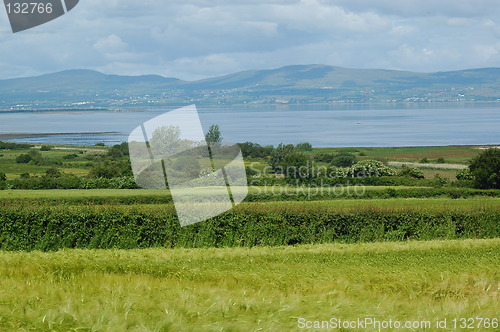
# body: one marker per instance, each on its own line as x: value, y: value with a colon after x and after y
x: 44, y: 228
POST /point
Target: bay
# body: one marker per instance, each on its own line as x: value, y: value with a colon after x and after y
x: 321, y: 125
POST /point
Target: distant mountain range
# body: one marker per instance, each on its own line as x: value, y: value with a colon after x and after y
x: 288, y: 85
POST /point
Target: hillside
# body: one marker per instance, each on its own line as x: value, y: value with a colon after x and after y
x: 291, y: 84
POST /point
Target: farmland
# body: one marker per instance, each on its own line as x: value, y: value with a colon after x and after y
x: 102, y: 259
x: 242, y: 289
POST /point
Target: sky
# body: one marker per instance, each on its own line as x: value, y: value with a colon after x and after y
x: 193, y: 40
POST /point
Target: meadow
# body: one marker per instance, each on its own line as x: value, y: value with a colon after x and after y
x: 420, y: 250
x: 250, y: 289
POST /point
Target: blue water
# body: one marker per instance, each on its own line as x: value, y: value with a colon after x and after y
x: 321, y: 125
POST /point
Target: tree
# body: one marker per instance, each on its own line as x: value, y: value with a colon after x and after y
x: 213, y: 135
x: 23, y: 159
x: 485, y: 168
x: 305, y: 146
x: 279, y: 154
x: 296, y: 166
x: 53, y: 172
x: 371, y: 168
x: 412, y: 172
x: 166, y: 140
x: 344, y: 159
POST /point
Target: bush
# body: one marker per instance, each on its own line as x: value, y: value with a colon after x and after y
x: 464, y: 174
x: 254, y: 150
x: 324, y: 158
x: 3, y: 177
x: 70, y: 156
x: 44, y: 228
x: 424, y: 161
x: 119, y: 150
x: 344, y: 159
x: 305, y: 146
x: 53, y: 172
x: 45, y: 148
x: 14, y: 146
x: 411, y: 172
x: 23, y: 159
x: 440, y: 161
x: 485, y: 168
x: 110, y: 169
x: 371, y: 168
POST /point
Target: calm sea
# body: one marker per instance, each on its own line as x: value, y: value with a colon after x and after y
x: 321, y: 125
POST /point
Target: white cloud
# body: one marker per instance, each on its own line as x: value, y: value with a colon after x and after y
x: 192, y: 39
x: 111, y: 43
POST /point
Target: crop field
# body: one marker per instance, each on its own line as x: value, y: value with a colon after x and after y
x: 243, y: 289
x: 452, y: 154
x: 292, y: 254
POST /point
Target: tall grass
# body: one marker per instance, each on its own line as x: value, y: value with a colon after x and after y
x: 247, y: 289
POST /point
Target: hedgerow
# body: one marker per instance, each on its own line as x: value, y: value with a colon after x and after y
x: 93, y: 227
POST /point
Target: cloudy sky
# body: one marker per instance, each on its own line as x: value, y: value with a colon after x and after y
x: 197, y: 39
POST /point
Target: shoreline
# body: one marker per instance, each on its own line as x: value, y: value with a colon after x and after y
x: 35, y: 135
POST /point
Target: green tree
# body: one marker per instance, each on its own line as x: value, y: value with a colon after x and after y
x: 279, y: 154
x: 485, y: 168
x: 213, y: 135
x: 305, y: 146
x: 53, y: 172
x: 464, y: 175
x: 23, y: 159
x: 296, y: 165
x: 344, y: 159
x: 411, y: 172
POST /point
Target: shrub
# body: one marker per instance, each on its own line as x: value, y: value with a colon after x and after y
x: 3, y: 177
x: 424, y: 161
x: 344, y: 159
x: 70, y: 156
x: 23, y: 159
x: 440, y: 161
x: 324, y: 158
x: 411, y: 172
x: 371, y: 168
x: 464, y: 174
x: 305, y: 146
x: 439, y: 181
x: 486, y: 169
x: 45, y: 148
x: 43, y: 228
x: 53, y: 172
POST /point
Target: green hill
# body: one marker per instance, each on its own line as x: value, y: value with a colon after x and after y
x: 291, y: 84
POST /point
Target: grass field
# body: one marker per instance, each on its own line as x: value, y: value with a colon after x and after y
x: 240, y: 289
x: 92, y: 193
x: 249, y: 286
x: 451, y: 154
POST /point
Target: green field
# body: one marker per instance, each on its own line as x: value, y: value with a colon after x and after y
x: 118, y: 260
x: 266, y: 289
x: 451, y: 154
